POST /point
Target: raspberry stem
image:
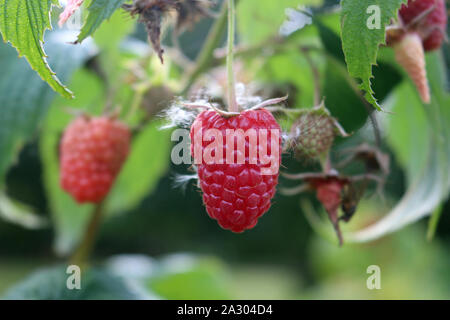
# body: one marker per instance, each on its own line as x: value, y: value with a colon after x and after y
x: 316, y: 75
x: 83, y: 251
x: 232, y: 103
x: 205, y: 59
x: 135, y: 103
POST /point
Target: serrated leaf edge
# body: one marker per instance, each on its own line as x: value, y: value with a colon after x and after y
x: 66, y: 92
x: 366, y: 84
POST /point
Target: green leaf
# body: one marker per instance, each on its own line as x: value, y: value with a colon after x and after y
x: 108, y: 38
x: 284, y: 68
x: 146, y: 164
x: 99, y: 11
x: 25, y: 98
x: 183, y: 276
x: 261, y: 20
x: 330, y: 40
x: 51, y: 284
x: 360, y: 44
x: 23, y: 24
x: 343, y: 97
x: 419, y: 135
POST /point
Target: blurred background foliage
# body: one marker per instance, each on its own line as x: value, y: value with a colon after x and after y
x: 157, y: 241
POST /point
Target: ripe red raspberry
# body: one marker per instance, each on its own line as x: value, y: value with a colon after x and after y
x: 432, y: 28
x: 236, y: 195
x: 92, y: 152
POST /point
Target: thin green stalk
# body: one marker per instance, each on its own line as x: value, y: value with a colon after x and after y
x: 206, y: 56
x: 316, y: 76
x: 136, y: 103
x: 84, y: 250
x: 232, y: 103
x: 433, y: 223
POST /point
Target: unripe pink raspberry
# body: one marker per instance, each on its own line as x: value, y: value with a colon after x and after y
x: 92, y: 153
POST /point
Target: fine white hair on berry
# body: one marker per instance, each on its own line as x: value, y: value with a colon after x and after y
x: 245, y: 96
x: 182, y: 180
x: 285, y: 138
x: 178, y: 115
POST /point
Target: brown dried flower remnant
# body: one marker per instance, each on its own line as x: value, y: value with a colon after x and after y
x: 152, y: 12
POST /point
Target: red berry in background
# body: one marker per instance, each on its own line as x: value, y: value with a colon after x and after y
x: 423, y: 25
x: 236, y: 195
x: 329, y: 193
x: 92, y: 152
x: 432, y: 27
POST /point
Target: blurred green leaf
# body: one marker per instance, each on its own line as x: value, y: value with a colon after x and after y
x: 360, y: 44
x: 19, y: 214
x: 324, y: 230
x: 261, y: 20
x: 111, y: 61
x: 330, y: 40
x: 285, y: 67
x: 25, y: 98
x: 23, y: 24
x: 109, y: 35
x: 176, y: 276
x: 146, y: 164
x: 187, y: 277
x: 99, y: 11
x: 419, y: 135
x: 51, y: 284
x: 340, y: 271
x: 343, y: 98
